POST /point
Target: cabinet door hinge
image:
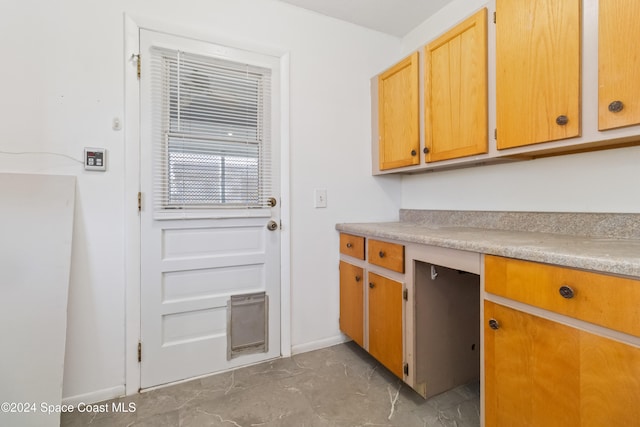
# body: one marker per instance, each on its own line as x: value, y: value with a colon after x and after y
x: 139, y: 352
x: 405, y: 369
x: 405, y: 295
x: 138, y: 64
x: 139, y: 201
x: 495, y: 134
x: 494, y: 17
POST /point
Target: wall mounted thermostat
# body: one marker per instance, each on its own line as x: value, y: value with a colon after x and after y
x: 95, y: 159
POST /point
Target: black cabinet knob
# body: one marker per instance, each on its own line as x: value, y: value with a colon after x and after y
x: 566, y: 292
x: 414, y: 152
x: 562, y: 120
x: 371, y: 285
x: 493, y: 324
x: 349, y: 245
x: 357, y: 278
x: 425, y: 150
x: 381, y: 254
x: 616, y: 106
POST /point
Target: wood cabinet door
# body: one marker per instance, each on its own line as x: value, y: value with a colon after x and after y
x: 537, y: 71
x: 352, y: 302
x: 610, y: 382
x: 618, y: 63
x: 455, y: 96
x: 385, y: 322
x: 531, y: 371
x: 540, y: 373
x: 398, y: 111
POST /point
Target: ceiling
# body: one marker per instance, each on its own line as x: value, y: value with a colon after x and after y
x: 395, y: 17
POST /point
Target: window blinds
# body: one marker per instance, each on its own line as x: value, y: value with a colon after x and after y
x: 211, y: 131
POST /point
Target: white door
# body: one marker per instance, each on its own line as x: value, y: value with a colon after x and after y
x: 204, y: 178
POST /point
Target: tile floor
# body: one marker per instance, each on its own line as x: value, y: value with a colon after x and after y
x: 340, y: 386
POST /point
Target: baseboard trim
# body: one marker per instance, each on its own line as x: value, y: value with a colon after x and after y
x: 95, y: 396
x: 317, y: 345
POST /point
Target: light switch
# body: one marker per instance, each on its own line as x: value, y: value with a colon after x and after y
x: 320, y: 198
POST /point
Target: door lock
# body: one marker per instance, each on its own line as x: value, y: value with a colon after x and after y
x: 272, y: 225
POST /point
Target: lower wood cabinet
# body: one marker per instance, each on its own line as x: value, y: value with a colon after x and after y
x: 542, y: 373
x: 385, y: 322
x: 352, y: 302
x: 371, y: 304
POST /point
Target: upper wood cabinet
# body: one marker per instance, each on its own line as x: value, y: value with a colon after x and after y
x: 398, y: 111
x: 537, y: 71
x: 555, y: 77
x: 455, y: 97
x: 618, y: 64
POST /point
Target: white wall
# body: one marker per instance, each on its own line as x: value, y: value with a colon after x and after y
x: 62, y: 83
x: 604, y: 181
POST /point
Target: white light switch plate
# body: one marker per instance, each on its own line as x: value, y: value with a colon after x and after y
x: 320, y: 198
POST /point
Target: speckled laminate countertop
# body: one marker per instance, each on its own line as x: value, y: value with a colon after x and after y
x: 582, y: 248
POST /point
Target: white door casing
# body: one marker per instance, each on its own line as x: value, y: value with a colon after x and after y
x: 192, y: 262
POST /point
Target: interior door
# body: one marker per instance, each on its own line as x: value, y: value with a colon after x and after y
x: 194, y: 260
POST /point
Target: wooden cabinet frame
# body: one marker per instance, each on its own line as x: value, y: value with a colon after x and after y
x: 590, y: 139
x: 421, y: 359
x: 598, y: 362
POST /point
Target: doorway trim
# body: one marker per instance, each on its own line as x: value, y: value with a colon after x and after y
x: 132, y: 26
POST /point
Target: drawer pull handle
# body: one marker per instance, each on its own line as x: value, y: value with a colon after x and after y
x: 493, y: 324
x: 566, y: 292
x: 371, y: 285
x: 381, y: 254
x: 357, y: 278
x: 349, y: 245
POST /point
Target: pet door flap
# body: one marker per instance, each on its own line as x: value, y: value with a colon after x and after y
x: 247, y: 324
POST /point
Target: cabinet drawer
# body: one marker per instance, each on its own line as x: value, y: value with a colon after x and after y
x: 609, y: 301
x: 352, y: 245
x: 387, y: 255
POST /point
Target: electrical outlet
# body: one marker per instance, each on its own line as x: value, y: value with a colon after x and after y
x: 320, y: 198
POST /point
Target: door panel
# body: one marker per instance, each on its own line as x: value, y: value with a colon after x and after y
x: 192, y: 262
x: 385, y: 322
x: 537, y: 71
x: 352, y: 302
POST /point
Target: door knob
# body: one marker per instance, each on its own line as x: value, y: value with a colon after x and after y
x: 272, y: 225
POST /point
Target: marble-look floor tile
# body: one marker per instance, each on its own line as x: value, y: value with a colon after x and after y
x: 339, y: 386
